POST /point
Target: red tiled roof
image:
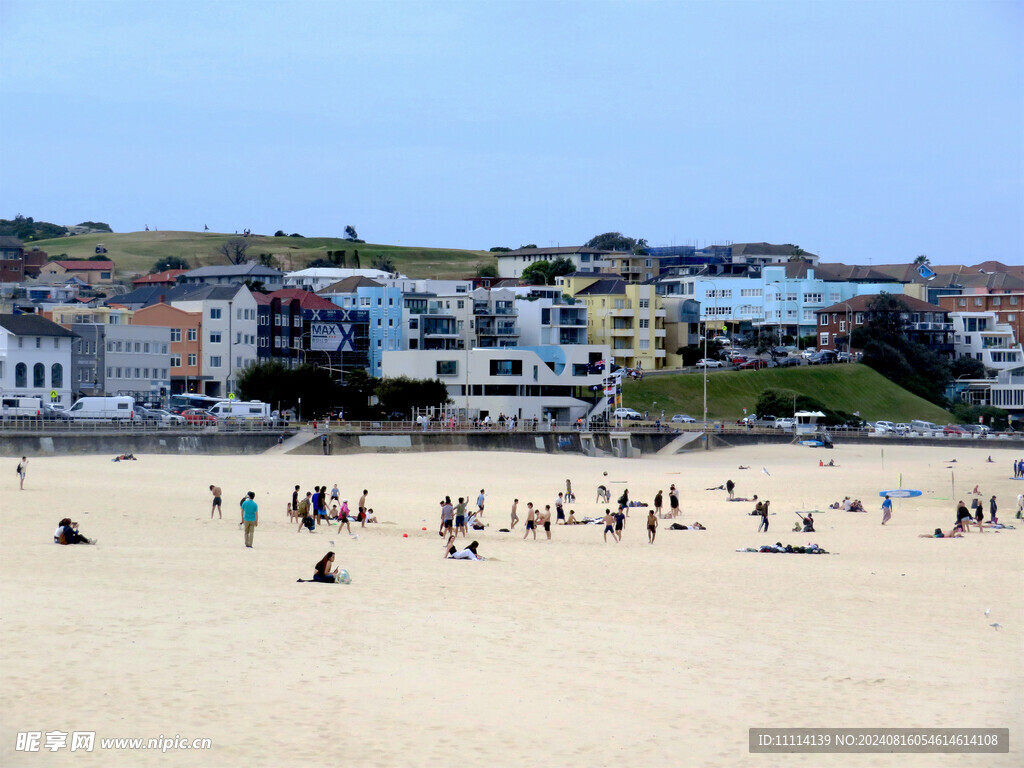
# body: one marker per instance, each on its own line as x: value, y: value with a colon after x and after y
x: 307, y: 299
x: 80, y: 266
x: 167, y: 276
x: 860, y: 304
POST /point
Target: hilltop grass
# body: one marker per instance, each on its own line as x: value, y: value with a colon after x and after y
x: 847, y: 387
x: 134, y: 253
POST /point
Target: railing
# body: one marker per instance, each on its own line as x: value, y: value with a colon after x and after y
x: 126, y: 427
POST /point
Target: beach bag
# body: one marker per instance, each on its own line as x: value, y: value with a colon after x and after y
x: 308, y: 522
x: 18, y: 471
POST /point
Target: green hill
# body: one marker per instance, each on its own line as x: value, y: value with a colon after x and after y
x: 135, y: 253
x: 845, y: 387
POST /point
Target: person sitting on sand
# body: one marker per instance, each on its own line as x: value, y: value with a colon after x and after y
x: 856, y: 506
x: 835, y: 505
x: 67, y: 533
x: 808, y: 523
x: 372, y: 518
x: 124, y: 457
x: 322, y: 570
x: 469, y: 553
x: 975, y: 492
x: 572, y: 518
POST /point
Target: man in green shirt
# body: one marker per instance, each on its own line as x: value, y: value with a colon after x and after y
x: 250, y: 517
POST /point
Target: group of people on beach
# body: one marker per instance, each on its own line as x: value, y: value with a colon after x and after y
x: 311, y: 509
x: 455, y: 518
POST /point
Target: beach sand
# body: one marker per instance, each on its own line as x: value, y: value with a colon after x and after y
x: 568, y: 652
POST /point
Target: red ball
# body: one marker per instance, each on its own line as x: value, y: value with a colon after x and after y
x: 405, y: 535
x: 423, y: 529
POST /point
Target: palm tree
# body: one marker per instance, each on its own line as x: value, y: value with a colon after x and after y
x: 922, y: 259
x: 797, y: 254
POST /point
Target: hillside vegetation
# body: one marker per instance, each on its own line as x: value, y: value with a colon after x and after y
x: 846, y: 387
x: 134, y: 253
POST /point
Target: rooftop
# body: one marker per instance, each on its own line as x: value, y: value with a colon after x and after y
x: 32, y: 325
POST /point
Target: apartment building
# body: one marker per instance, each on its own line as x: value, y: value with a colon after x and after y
x: 185, y: 334
x: 122, y: 360
x: 980, y: 335
x: 35, y: 358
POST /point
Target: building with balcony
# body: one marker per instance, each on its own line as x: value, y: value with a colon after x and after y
x: 383, y: 307
x: 35, y: 358
x: 627, y: 317
x: 583, y: 258
x: 542, y: 382
x: 1008, y: 308
x: 924, y: 323
x: 547, y: 320
x: 234, y: 274
x: 427, y: 325
x: 980, y: 335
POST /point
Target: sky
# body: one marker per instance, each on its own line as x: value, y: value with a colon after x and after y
x: 861, y: 131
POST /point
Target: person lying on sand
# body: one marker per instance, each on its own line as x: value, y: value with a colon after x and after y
x: 680, y: 527
x: 716, y: 488
x: 953, y: 533
x: 469, y: 553
x: 742, y: 467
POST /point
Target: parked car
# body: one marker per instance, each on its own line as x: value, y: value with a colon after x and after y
x: 785, y: 423
x: 723, y: 340
x: 682, y: 418
x: 954, y: 429
x: 753, y: 364
x: 808, y: 353
x: 706, y: 362
x: 883, y: 427
x: 925, y: 428
x: 844, y: 357
x: 902, y: 429
x: 48, y: 412
x: 627, y: 413
x: 198, y: 416
x: 787, y: 362
x: 147, y: 416
x: 737, y: 359
x: 780, y: 352
x: 166, y: 416
x: 822, y: 358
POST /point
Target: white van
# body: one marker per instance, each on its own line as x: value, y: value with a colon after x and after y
x: 925, y: 428
x: 120, y: 408
x: 21, y: 407
x: 236, y: 410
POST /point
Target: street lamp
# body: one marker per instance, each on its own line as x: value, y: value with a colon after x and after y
x: 706, y: 348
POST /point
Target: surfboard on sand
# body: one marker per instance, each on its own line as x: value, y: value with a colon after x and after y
x: 900, y: 493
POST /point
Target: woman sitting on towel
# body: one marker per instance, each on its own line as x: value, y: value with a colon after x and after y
x: 322, y: 570
x: 469, y: 553
x: 67, y: 533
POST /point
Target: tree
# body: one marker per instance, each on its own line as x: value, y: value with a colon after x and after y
x: 527, y: 246
x: 641, y: 247
x: 280, y: 233
x: 320, y: 264
x: 487, y: 270
x: 967, y: 368
x: 765, y: 343
x: 500, y: 249
x: 797, y: 254
x: 234, y: 250
x: 785, y: 402
x: 267, y: 260
x: 612, y: 241
x: 384, y: 263
x: 544, y: 272
x: 884, y: 320
x: 401, y: 394
x: 350, y: 234
x: 922, y: 259
x: 169, y: 262
x: 98, y: 225
x: 256, y: 286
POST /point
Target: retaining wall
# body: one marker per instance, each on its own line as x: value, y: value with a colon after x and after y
x: 115, y: 444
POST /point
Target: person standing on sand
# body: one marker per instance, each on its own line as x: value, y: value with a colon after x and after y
x: 992, y: 510
x: 335, y: 494
x: 673, y: 500
x: 545, y: 518
x: 730, y: 486
x: 460, y: 518
x: 480, y: 504
x: 531, y: 521
x: 1020, y: 505
x: 762, y: 510
x: 295, y: 499
x: 620, y: 523
x: 447, y: 513
x: 886, y: 509
x: 250, y: 517
x: 657, y: 503
x: 22, y: 465
x: 215, y: 490
x: 652, y: 526
x: 362, y: 509
x: 609, y: 526
x: 560, y: 510
x: 515, y: 517
x: 569, y: 498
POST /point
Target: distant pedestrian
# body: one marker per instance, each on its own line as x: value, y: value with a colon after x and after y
x: 250, y: 517
x: 560, y: 510
x: 762, y: 510
x: 314, y: 426
x: 886, y: 509
x: 609, y: 526
x: 460, y: 518
x: 657, y: 503
x: 22, y: 466
x: 215, y: 490
x: 323, y: 443
x: 545, y: 518
x: 480, y: 503
x: 992, y: 510
x: 730, y: 486
x: 620, y: 523
x: 515, y: 517
x: 673, y: 500
x: 362, y: 509
x: 652, y: 526
x: 531, y: 521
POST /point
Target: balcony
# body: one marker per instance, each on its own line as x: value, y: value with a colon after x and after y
x: 622, y: 352
x: 566, y: 320
x: 502, y: 331
x: 659, y: 333
x: 621, y: 332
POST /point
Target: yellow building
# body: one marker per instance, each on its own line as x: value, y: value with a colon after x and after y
x: 66, y: 315
x: 628, y: 317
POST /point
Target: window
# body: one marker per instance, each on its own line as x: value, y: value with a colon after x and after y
x: 137, y: 372
x: 215, y: 313
x: 20, y: 375
x: 238, y: 338
x: 118, y: 371
x: 175, y: 361
x: 823, y: 339
x: 506, y: 367
x: 215, y: 337
x: 644, y: 344
x: 644, y: 323
x: 823, y: 319
x: 215, y: 361
x: 961, y: 302
x: 138, y: 347
x: 1013, y: 300
x: 175, y: 334
x: 56, y: 342
x: 645, y: 303
x: 447, y: 367
x: 192, y: 359
x: 110, y: 346
x: 859, y: 318
x: 238, y: 362
x: 996, y: 301
x: 38, y: 375
x: 238, y: 314
x: 812, y: 298
x: 978, y: 302
x: 193, y: 334
x: 163, y: 349
x: 460, y: 304
x: 110, y: 372
x: 842, y: 326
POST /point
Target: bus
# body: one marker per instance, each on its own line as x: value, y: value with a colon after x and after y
x: 185, y: 400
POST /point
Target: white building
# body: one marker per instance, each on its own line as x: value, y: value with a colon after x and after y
x: 317, y: 278
x: 527, y: 382
x: 981, y: 336
x: 35, y: 358
x: 550, y: 321
x: 584, y: 259
x: 229, y: 334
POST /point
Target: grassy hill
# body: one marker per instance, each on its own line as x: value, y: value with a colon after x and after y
x: 848, y: 387
x: 135, y: 253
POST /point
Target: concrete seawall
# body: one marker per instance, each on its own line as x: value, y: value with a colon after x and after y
x: 115, y: 444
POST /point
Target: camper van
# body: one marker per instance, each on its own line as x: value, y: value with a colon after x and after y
x: 120, y: 408
x: 237, y: 411
x: 21, y: 407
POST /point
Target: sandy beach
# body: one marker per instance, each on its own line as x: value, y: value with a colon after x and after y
x: 563, y: 652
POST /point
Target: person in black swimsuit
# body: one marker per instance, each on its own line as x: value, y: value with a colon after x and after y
x: 323, y: 570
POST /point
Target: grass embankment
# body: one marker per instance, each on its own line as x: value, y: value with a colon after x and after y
x: 846, y: 387
x: 135, y: 253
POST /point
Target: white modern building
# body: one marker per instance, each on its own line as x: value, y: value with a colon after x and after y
x: 584, y: 259
x: 316, y: 279
x: 229, y: 334
x: 981, y: 336
x: 527, y: 382
x: 551, y: 321
x: 35, y: 358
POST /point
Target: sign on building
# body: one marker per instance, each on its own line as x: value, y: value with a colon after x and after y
x: 331, y: 337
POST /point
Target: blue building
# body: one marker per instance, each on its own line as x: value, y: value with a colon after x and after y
x: 383, y: 306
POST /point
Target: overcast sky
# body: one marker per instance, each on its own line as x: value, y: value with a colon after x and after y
x: 858, y: 130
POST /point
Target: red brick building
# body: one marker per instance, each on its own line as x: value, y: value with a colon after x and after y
x: 925, y: 323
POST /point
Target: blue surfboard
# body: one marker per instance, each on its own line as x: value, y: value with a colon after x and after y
x: 900, y: 493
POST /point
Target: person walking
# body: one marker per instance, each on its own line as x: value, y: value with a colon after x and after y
x: 886, y: 509
x: 762, y: 509
x: 215, y: 490
x: 673, y: 500
x: 657, y: 503
x: 515, y: 517
x: 652, y: 526
x: 531, y: 521
x: 250, y: 517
